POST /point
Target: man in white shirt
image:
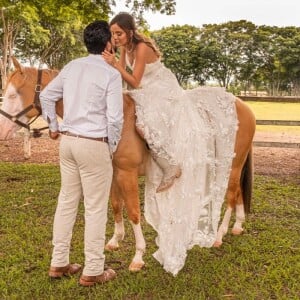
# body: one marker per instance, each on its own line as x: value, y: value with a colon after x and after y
x: 91, y: 129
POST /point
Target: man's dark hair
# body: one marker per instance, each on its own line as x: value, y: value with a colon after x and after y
x: 95, y: 36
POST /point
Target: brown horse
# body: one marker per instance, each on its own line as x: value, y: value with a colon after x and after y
x: 20, y: 106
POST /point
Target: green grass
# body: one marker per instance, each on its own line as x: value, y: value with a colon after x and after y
x: 263, y: 263
x: 276, y: 111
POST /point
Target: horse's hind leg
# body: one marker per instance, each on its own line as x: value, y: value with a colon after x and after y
x: 239, y: 192
x: 245, y: 194
x: 236, y: 196
x: 223, y: 228
x: 234, y: 202
x: 237, y: 228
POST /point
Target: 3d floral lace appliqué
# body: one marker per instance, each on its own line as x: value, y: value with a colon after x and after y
x: 195, y: 128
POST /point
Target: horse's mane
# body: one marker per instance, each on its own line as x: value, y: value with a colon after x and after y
x: 31, y: 73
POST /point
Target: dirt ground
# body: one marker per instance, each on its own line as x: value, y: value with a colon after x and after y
x: 278, y: 162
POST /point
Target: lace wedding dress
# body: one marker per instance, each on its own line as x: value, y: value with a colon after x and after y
x: 196, y: 129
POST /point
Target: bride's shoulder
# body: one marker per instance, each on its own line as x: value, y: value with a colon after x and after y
x: 144, y: 50
x: 141, y: 46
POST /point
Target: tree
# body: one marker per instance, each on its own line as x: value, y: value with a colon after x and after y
x: 179, y: 46
x: 49, y: 31
x: 13, y: 17
x: 279, y: 50
x: 63, y: 22
x: 231, y: 49
x: 289, y: 58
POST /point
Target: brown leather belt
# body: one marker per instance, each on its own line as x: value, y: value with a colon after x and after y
x: 100, y: 139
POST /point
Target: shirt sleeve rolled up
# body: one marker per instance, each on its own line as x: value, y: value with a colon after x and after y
x: 48, y: 98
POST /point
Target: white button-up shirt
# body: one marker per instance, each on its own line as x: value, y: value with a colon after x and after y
x: 92, y: 97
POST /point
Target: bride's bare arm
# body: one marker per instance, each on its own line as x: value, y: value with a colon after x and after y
x: 122, y: 60
x: 135, y: 78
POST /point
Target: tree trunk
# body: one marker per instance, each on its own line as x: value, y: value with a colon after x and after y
x: 10, y: 30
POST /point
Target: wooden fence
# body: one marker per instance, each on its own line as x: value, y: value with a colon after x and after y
x: 275, y: 122
x: 287, y: 99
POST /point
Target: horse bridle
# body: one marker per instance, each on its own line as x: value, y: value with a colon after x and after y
x: 35, y: 104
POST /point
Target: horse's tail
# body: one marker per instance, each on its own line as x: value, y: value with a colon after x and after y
x: 247, y: 181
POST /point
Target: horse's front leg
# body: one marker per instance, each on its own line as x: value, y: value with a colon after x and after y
x: 117, y: 206
x: 128, y: 184
x: 125, y: 187
x: 140, y: 247
x: 132, y: 202
x: 27, y: 144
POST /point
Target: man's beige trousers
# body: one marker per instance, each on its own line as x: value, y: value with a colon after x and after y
x: 86, y: 172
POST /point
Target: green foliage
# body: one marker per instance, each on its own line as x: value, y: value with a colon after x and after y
x: 49, y: 31
x: 263, y: 263
x: 62, y: 23
x: 162, y: 6
x: 279, y: 50
x: 276, y: 111
x: 231, y: 46
x: 180, y: 47
x: 237, y: 55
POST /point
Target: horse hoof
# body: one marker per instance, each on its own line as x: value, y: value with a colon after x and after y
x: 110, y: 247
x: 217, y: 244
x: 136, y: 266
x: 237, y: 231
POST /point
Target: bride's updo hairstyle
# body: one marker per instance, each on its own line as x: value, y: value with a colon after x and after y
x: 126, y: 21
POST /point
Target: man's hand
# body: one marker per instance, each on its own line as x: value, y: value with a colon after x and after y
x: 53, y: 134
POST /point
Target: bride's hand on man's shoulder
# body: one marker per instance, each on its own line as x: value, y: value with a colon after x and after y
x: 109, y: 57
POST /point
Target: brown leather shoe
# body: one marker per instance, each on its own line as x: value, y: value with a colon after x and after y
x: 68, y: 270
x: 107, y: 275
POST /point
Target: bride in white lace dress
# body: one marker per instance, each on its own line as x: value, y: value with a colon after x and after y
x: 191, y: 135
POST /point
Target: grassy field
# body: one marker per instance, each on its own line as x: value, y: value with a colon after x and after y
x: 276, y: 111
x: 263, y: 263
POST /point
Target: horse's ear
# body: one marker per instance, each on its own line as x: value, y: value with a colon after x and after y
x: 17, y: 65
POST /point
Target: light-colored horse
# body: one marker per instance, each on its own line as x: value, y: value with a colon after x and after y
x: 129, y: 161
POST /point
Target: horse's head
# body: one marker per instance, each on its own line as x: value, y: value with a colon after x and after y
x: 19, y: 105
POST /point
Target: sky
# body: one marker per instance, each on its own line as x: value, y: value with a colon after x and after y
x: 279, y: 13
